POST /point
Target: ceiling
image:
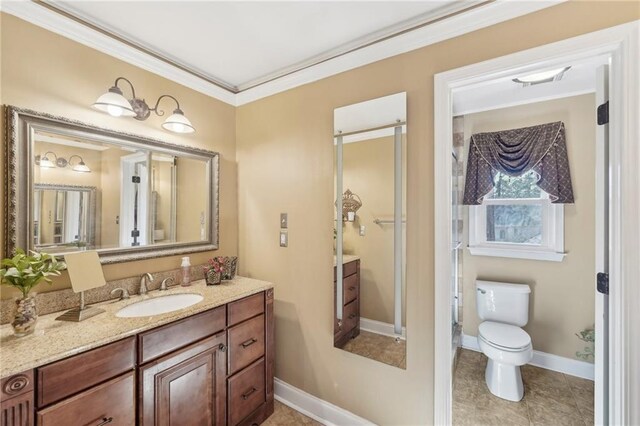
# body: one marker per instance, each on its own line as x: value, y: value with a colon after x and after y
x: 239, y: 45
x: 504, y: 92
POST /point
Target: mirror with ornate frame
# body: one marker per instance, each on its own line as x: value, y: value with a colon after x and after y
x: 74, y: 186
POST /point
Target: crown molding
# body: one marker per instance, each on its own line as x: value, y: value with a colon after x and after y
x: 66, y: 27
x: 456, y: 25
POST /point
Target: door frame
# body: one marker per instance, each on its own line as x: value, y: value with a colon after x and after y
x: 622, y: 44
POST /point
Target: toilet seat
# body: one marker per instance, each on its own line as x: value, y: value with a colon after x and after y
x: 505, y: 337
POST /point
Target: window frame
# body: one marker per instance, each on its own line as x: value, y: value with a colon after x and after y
x: 551, y: 247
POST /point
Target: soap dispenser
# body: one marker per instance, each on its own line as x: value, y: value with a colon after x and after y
x: 186, y: 271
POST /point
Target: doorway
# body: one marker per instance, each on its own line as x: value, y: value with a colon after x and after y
x: 616, y: 44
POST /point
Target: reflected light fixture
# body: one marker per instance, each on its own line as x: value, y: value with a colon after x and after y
x: 114, y: 103
x: 45, y: 162
x: 542, y: 77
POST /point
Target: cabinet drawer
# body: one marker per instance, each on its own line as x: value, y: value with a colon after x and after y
x: 347, y: 269
x: 350, y: 288
x: 168, y: 338
x: 111, y: 403
x: 350, y: 316
x: 246, y: 308
x: 67, y: 377
x: 246, y: 392
x: 246, y: 343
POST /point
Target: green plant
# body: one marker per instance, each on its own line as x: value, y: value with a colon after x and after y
x: 587, y: 335
x: 24, y: 271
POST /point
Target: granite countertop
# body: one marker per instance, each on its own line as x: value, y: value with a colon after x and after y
x: 346, y: 258
x: 54, y: 340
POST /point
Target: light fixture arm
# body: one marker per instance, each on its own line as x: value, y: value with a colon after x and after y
x: 76, y: 155
x: 51, y: 152
x: 133, y: 90
x: 160, y: 113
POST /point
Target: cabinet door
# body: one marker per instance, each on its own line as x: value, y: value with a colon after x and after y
x: 186, y: 387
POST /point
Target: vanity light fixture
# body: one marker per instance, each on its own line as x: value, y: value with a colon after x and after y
x: 114, y: 103
x: 44, y: 162
x: 542, y: 77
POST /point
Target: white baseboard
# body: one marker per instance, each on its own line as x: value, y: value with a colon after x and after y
x: 569, y: 366
x: 314, y: 407
x: 380, y: 327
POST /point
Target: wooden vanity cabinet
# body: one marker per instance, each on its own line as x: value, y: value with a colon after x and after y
x: 349, y: 326
x: 212, y: 368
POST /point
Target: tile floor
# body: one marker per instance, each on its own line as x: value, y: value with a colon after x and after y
x: 550, y: 398
x: 285, y: 416
x: 381, y: 348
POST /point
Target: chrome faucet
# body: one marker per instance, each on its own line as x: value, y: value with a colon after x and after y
x: 147, y: 277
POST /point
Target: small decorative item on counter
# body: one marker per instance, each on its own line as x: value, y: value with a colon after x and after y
x: 186, y: 272
x: 24, y: 272
x: 230, y: 265
x: 214, y: 270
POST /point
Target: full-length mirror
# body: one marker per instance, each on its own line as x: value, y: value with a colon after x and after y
x: 81, y: 187
x: 370, y: 232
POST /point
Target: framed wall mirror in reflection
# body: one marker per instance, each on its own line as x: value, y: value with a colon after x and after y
x: 74, y: 186
x: 369, y: 229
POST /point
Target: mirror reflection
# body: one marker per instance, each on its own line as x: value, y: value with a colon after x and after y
x: 370, y: 232
x: 92, y: 194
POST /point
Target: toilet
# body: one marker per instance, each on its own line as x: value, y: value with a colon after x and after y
x: 504, y: 308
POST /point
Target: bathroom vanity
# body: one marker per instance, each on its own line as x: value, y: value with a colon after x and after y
x: 211, y: 363
x: 348, y: 326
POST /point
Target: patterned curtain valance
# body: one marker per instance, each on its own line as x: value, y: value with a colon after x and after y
x: 542, y: 149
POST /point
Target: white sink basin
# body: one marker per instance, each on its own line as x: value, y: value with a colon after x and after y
x: 159, y: 305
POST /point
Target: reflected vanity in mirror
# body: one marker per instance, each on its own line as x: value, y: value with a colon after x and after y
x: 86, y: 188
x: 370, y: 232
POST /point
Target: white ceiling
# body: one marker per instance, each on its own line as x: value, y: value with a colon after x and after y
x: 504, y: 92
x: 241, y: 44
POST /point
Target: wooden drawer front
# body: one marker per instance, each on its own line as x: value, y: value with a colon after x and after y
x: 246, y: 392
x: 16, y: 385
x: 246, y: 343
x: 350, y: 316
x: 112, y: 403
x: 350, y: 288
x: 168, y: 338
x: 67, y: 377
x: 347, y: 269
x: 246, y: 308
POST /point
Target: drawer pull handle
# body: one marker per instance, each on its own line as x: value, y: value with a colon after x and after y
x: 222, y: 347
x: 248, y: 393
x: 105, y: 420
x: 352, y: 288
x: 352, y: 316
x: 248, y: 343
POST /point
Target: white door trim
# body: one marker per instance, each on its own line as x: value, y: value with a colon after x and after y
x: 622, y: 43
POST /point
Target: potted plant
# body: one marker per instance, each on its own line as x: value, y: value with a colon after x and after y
x: 25, y: 271
x: 214, y: 270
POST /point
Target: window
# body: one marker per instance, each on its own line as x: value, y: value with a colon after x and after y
x: 516, y: 219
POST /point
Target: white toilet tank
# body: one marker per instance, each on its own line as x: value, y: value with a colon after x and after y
x: 503, y: 302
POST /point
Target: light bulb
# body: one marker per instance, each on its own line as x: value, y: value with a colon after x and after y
x: 114, y: 110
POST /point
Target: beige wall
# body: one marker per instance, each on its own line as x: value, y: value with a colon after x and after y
x: 49, y: 73
x: 191, y: 199
x: 368, y: 171
x: 562, y: 300
x: 285, y: 159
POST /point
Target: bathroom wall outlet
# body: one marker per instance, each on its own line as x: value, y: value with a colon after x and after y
x: 363, y: 230
x: 284, y: 238
x: 283, y: 221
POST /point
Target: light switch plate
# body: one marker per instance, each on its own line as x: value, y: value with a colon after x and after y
x: 363, y: 230
x: 283, y: 221
x: 284, y: 238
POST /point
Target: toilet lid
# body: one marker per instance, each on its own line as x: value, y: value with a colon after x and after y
x: 505, y: 335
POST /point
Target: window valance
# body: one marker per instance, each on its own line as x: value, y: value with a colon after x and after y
x: 514, y: 152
